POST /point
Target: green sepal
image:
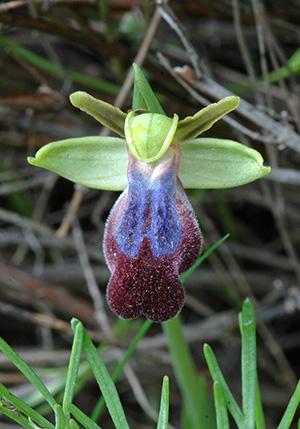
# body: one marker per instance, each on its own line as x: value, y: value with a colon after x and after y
x: 149, y: 135
x: 192, y: 126
x: 108, y: 115
x: 143, y: 96
x: 101, y: 162
x: 95, y: 162
x: 209, y: 163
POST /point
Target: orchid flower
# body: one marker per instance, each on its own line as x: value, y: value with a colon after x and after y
x: 151, y: 235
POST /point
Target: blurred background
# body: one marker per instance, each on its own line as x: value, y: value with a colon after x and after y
x: 51, y: 261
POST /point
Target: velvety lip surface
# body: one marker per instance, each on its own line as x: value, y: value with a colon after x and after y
x: 151, y: 237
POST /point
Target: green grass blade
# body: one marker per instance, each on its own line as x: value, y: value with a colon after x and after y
x: 24, y: 408
x: 247, y: 328
x: 116, y: 374
x: 142, y: 331
x: 291, y: 409
x: 60, y: 421
x: 259, y: 412
x: 217, y: 375
x: 81, y: 417
x: 36, y: 400
x: 203, y: 257
x: 73, y: 424
x: 28, y: 372
x: 284, y: 72
x: 55, y: 69
x: 16, y: 416
x: 93, y: 82
x: 221, y: 408
x: 164, y: 405
x: 73, y: 366
x: 32, y: 424
x: 193, y: 387
x: 105, y: 383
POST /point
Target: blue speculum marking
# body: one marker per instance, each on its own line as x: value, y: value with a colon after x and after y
x: 150, y: 212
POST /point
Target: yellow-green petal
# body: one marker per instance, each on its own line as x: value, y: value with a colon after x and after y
x: 209, y: 163
x: 192, y: 126
x: 95, y: 162
x: 108, y: 115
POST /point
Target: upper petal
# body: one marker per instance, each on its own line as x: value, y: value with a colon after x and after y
x: 108, y: 115
x: 192, y: 126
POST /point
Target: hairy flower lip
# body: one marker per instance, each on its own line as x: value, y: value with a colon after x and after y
x: 150, y: 293
x: 145, y: 256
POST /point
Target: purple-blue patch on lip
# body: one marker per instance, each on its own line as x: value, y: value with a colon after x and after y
x: 150, y: 212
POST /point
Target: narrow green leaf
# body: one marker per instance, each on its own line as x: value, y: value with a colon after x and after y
x: 217, y: 375
x: 247, y: 327
x: 259, y: 412
x: 291, y: 409
x: 16, y: 416
x: 192, y: 126
x: 164, y: 405
x: 284, y: 71
x: 140, y: 334
x: 104, y: 86
x: 96, y: 162
x: 221, y: 408
x: 55, y: 387
x: 73, y: 424
x: 73, y: 368
x: 53, y: 68
x: 143, y: 96
x: 199, y: 261
x: 33, y: 425
x: 108, y: 115
x: 142, y: 331
x: 60, y: 421
x: 215, y: 163
x: 24, y: 408
x: 81, y: 417
x: 192, y: 385
x: 105, y: 383
x: 28, y: 372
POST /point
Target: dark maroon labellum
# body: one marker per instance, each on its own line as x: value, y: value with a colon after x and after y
x: 151, y: 237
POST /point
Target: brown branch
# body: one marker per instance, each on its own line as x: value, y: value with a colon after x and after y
x: 52, y: 295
